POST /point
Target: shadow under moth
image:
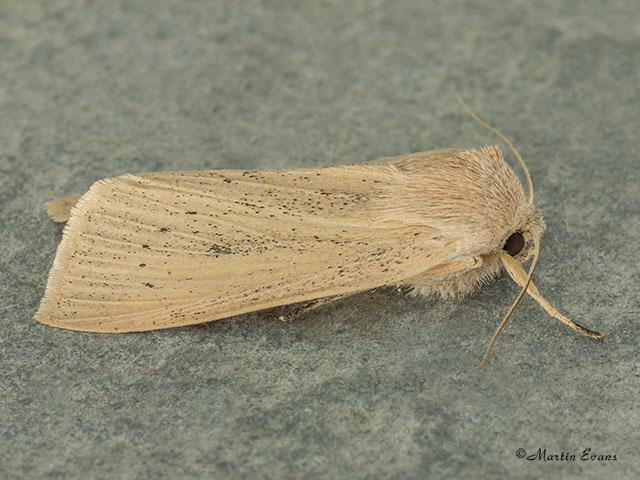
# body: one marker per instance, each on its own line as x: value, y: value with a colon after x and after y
x: 159, y: 250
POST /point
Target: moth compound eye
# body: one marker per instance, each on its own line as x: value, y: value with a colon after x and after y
x: 514, y: 244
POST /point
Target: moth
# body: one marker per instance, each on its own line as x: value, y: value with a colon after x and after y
x: 158, y: 250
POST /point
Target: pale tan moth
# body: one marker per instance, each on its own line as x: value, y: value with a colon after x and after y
x: 159, y: 250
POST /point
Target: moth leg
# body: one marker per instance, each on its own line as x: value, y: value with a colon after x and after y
x: 451, y: 279
x: 60, y: 209
x: 453, y: 267
x: 298, y: 311
x: 518, y: 275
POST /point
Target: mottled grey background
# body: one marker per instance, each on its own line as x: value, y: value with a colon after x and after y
x: 375, y: 386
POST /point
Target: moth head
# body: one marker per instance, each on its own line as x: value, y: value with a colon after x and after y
x: 520, y: 244
x: 514, y: 244
x: 520, y: 241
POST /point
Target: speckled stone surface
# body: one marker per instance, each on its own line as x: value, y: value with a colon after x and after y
x: 378, y: 385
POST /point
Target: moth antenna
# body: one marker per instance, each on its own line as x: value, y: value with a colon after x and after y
x: 518, y: 275
x: 536, y: 251
x: 501, y: 137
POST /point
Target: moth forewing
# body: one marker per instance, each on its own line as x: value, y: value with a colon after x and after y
x: 149, y: 251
